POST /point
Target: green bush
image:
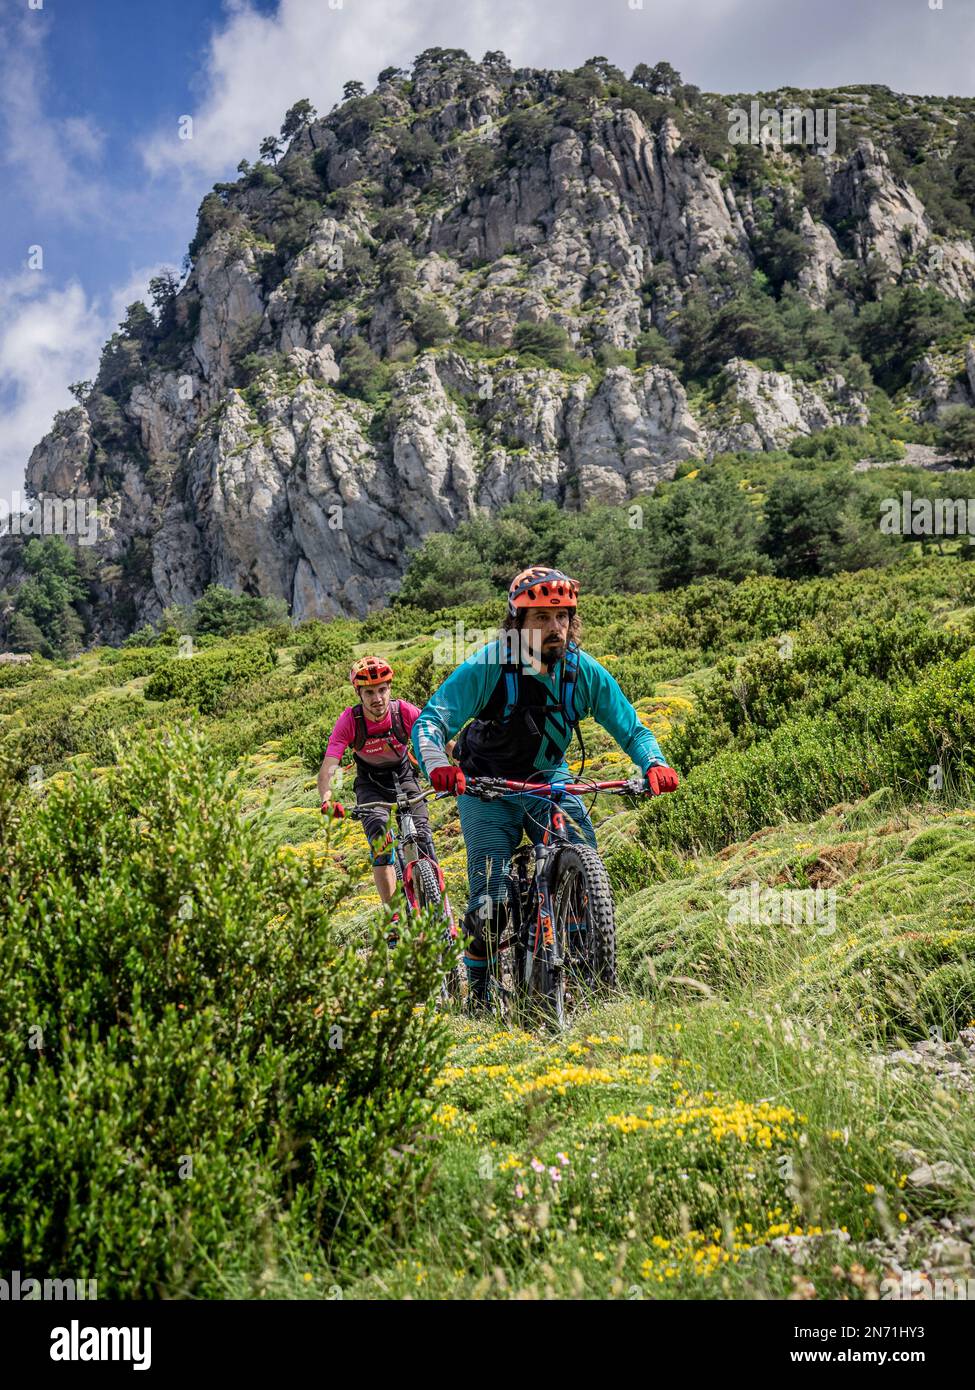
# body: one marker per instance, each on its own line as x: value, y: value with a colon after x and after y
x: 207, y: 679
x: 362, y: 373
x: 745, y: 699
x: 19, y: 675
x: 55, y: 726
x: 189, y: 1061
x: 935, y: 721
x: 329, y: 644
x: 548, y: 341
x: 802, y: 768
x: 225, y: 614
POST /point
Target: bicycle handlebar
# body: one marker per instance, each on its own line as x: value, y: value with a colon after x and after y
x: 389, y: 805
x: 489, y: 787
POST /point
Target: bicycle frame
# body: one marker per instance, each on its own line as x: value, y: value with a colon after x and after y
x: 406, y: 850
x: 541, y: 934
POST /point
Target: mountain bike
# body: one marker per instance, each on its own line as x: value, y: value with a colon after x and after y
x: 557, y: 942
x: 421, y: 877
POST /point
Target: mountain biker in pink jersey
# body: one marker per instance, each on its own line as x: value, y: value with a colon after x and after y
x: 378, y: 730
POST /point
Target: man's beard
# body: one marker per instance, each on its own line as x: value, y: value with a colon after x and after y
x: 553, y: 649
x: 545, y: 652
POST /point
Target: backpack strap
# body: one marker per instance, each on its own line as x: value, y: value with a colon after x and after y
x: 569, y: 679
x: 510, y: 672
x: 397, y: 729
x: 397, y: 726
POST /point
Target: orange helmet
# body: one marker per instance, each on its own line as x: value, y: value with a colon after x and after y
x: 370, y: 670
x: 541, y: 587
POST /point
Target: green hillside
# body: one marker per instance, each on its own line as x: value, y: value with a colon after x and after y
x: 182, y: 926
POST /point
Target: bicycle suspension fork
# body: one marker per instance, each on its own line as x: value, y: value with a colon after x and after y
x: 545, y: 937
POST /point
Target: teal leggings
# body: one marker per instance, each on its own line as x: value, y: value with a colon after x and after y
x: 492, y: 832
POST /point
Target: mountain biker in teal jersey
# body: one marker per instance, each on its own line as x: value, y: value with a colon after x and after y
x: 525, y: 694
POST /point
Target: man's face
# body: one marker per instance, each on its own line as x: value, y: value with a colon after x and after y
x: 375, y: 700
x: 546, y: 633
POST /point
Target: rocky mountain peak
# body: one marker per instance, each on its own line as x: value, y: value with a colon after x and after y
x: 470, y: 282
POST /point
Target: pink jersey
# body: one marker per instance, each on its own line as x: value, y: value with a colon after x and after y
x: 381, y: 748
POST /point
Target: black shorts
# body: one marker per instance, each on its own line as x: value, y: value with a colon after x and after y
x: 378, y: 785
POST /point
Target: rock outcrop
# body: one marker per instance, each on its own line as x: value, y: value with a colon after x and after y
x: 892, y: 226
x: 346, y: 367
x: 766, y: 410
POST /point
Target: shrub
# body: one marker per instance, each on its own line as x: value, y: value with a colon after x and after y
x: 362, y: 373
x: 190, y: 1061
x: 329, y: 644
x: 957, y: 433
x: 430, y: 325
x: 935, y: 721
x: 547, y: 340
x: 745, y: 699
x: 222, y: 612
x: 805, y: 766
x: 652, y: 348
x: 207, y: 679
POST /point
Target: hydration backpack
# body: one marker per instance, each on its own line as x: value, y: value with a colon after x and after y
x: 397, y: 729
x: 509, y: 729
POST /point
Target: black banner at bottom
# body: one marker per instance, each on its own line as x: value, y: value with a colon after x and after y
x: 169, y: 1339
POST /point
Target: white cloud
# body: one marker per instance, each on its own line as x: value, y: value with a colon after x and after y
x: 49, y: 337
x: 82, y: 135
x: 256, y: 66
x: 46, y: 157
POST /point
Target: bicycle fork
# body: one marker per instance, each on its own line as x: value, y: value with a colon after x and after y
x: 545, y: 938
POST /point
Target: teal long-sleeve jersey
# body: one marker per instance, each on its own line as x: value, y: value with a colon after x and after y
x: 469, y: 686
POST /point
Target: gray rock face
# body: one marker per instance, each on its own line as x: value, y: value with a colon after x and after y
x: 299, y: 501
x: 584, y: 226
x: 891, y: 223
x: 230, y: 303
x: 636, y: 430
x: 938, y: 381
x: 59, y: 463
x: 765, y: 410
x: 892, y: 226
x: 820, y: 274
x: 285, y: 481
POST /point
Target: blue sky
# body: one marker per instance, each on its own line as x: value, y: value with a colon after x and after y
x: 91, y: 92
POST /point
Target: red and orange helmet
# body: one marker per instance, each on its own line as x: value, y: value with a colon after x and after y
x: 370, y: 670
x: 541, y: 587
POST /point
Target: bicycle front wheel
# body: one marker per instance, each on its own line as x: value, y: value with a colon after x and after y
x: 584, y: 928
x: 427, y: 888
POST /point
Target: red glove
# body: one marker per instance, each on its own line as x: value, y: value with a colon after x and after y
x: 448, y: 779
x: 661, y: 779
x: 335, y: 809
